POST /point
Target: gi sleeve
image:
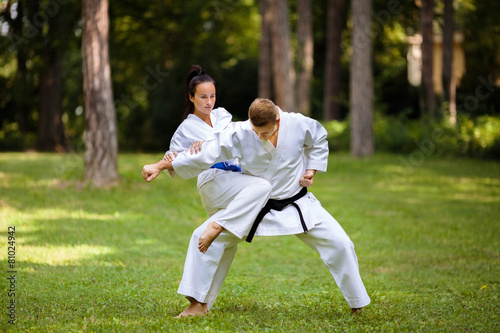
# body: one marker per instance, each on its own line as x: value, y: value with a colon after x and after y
x: 178, y: 143
x: 315, y: 145
x: 219, y: 147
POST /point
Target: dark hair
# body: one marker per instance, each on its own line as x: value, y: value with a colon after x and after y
x: 195, y: 76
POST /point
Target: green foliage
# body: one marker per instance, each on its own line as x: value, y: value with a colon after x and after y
x: 472, y: 137
x: 103, y: 260
x: 480, y: 136
x: 153, y: 44
x: 11, y: 139
x: 481, y: 53
x: 338, y: 135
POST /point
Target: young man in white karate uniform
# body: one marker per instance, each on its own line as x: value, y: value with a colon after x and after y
x: 287, y: 149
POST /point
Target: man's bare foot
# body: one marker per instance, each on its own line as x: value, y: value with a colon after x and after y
x: 357, y: 311
x: 194, y: 309
x: 207, y: 237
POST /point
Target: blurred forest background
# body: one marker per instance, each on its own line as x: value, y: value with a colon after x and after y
x: 152, y: 45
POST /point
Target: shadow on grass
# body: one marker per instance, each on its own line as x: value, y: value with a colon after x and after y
x: 103, y: 260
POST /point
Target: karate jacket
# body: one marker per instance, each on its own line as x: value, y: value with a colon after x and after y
x: 301, y: 145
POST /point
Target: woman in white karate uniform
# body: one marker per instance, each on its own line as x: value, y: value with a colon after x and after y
x: 232, y: 199
x: 223, y: 186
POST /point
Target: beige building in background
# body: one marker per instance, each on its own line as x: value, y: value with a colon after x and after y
x: 414, y: 57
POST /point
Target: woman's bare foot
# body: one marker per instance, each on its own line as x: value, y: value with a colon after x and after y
x: 194, y: 309
x: 207, y: 237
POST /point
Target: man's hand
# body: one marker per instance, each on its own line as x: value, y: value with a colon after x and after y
x: 150, y: 172
x: 195, y: 147
x: 307, y: 178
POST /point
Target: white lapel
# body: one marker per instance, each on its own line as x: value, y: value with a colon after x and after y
x: 276, y: 153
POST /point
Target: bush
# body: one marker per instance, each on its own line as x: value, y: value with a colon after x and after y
x: 338, y: 135
x: 472, y: 137
x: 11, y: 139
x: 395, y: 134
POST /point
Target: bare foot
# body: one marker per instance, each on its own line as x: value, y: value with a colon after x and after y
x: 207, y: 237
x: 357, y: 311
x: 194, y: 309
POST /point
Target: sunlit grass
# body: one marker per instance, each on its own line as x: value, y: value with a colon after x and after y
x: 87, y: 259
x: 63, y: 255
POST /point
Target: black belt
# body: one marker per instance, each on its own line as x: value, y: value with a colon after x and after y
x: 278, y: 205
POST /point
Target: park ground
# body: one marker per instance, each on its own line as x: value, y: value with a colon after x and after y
x: 82, y: 259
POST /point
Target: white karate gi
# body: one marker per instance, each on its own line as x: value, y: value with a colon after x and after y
x: 241, y: 196
x: 301, y: 145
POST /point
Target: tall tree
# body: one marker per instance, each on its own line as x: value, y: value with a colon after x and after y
x: 265, y: 83
x: 361, y: 80
x: 101, y: 143
x: 449, y: 84
x: 284, y: 74
x: 335, y: 23
x: 22, y: 85
x: 426, y: 18
x: 51, y: 135
x: 305, y: 55
x: 22, y: 91
x: 16, y: 26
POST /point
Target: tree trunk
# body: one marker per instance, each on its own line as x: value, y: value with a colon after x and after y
x: 305, y: 55
x: 51, y: 136
x: 265, y: 82
x: 448, y: 79
x: 335, y: 23
x: 101, y: 143
x: 426, y: 18
x: 21, y: 89
x: 284, y: 75
x: 361, y: 80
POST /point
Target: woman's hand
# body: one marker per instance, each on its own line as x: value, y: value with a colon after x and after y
x: 170, y: 156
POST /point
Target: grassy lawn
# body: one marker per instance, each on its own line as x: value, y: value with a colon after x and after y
x: 427, y: 236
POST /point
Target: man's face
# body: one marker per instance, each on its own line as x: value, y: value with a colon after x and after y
x: 266, y: 131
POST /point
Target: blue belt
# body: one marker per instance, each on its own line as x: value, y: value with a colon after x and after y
x: 225, y: 166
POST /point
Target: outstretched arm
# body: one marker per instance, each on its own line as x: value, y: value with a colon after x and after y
x: 151, y: 171
x: 307, y: 178
x: 170, y: 156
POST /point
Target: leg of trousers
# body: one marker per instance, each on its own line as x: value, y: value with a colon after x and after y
x: 204, y: 274
x: 233, y: 200
x: 336, y: 250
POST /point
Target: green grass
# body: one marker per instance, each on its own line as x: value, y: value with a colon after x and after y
x: 93, y: 260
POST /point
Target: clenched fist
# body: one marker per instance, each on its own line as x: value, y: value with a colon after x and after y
x: 150, y: 172
x: 307, y: 178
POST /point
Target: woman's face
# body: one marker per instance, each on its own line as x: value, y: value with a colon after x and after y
x: 204, y: 98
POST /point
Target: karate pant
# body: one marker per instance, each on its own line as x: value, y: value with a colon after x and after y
x: 233, y: 200
x: 204, y: 274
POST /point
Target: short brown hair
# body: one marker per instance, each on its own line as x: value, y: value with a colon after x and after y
x: 262, y: 112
